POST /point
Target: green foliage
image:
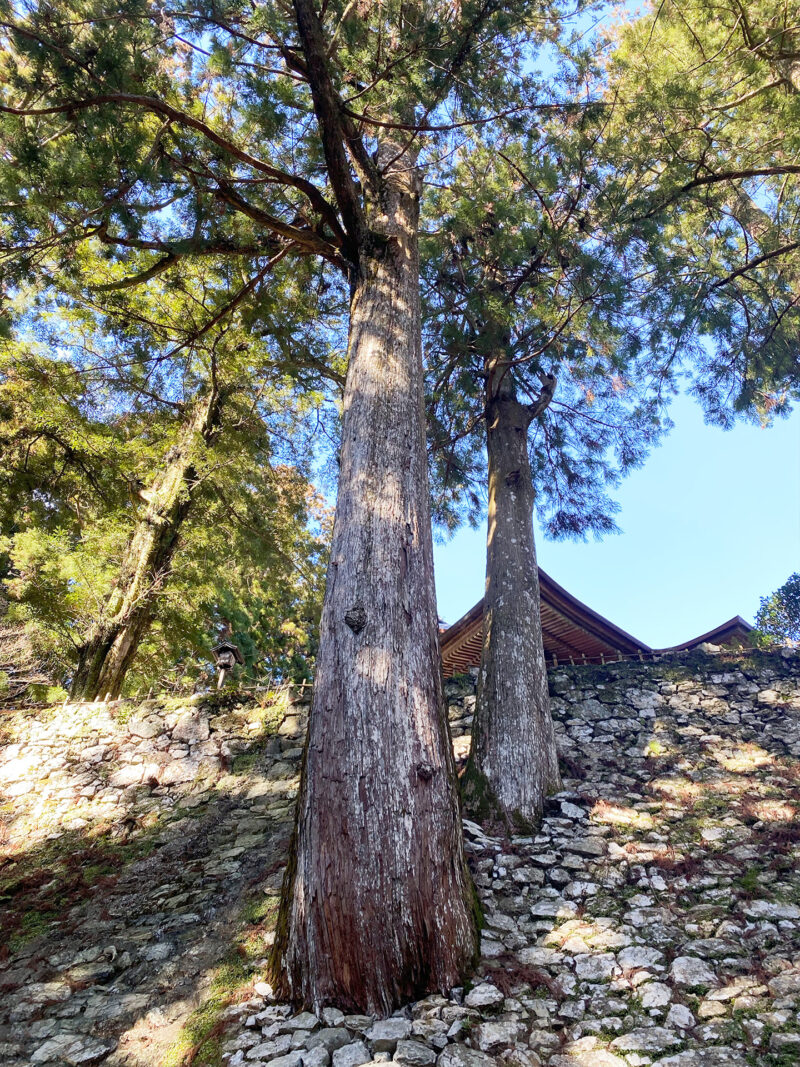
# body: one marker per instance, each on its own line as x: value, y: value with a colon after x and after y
x: 164, y: 184
x: 87, y: 431
x: 183, y: 201
x: 187, y: 133
x: 528, y: 273
x: 778, y: 617
x: 702, y: 136
x: 46, y: 694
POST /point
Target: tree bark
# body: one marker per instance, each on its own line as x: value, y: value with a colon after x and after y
x: 113, y: 641
x: 513, y: 763
x: 378, y: 906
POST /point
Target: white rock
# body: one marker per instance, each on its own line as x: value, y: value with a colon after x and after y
x: 130, y: 774
x: 191, y: 727
x: 600, y: 968
x: 655, y: 995
x: 491, y: 949
x: 540, y: 956
x: 352, y: 1055
x: 767, y: 909
x: 414, y: 1054
x: 496, y: 1035
x: 518, y: 1057
x: 267, y: 1050
x: 554, y: 908
x: 331, y: 1037
x: 646, y: 1039
x: 291, y: 1059
x: 785, y: 985
x: 735, y: 988
x: 55, y: 1049
x: 484, y: 995
x: 88, y: 1051
x: 304, y: 1021
x: 706, y: 1057
x: 689, y: 971
x: 385, y: 1033
x: 315, y: 1057
x: 679, y: 1016
x: 638, y: 956
x: 587, y: 846
x: 461, y: 1056
x: 144, y: 727
x: 713, y: 833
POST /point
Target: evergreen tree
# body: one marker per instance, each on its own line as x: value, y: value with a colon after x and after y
x: 274, y: 132
x: 534, y: 351
x: 778, y: 617
x: 704, y: 112
x: 126, y: 415
x: 654, y: 243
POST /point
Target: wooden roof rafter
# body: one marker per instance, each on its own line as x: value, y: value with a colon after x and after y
x: 572, y: 633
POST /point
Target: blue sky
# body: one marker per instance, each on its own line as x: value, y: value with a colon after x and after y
x: 711, y: 523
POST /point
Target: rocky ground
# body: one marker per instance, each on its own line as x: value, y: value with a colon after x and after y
x: 653, y: 918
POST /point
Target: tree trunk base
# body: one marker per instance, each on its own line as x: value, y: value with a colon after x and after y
x: 481, y: 804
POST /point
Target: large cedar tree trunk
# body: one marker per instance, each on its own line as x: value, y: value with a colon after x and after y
x: 513, y: 763
x: 112, y: 643
x: 377, y: 906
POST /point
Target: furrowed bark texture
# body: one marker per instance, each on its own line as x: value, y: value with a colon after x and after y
x: 112, y: 643
x: 377, y: 907
x: 513, y: 763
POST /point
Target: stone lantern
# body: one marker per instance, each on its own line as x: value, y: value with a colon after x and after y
x: 226, y: 655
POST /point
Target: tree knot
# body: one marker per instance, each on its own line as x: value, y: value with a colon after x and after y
x: 425, y: 771
x: 356, y: 618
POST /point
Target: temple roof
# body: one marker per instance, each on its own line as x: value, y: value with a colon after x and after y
x: 572, y: 633
x: 735, y: 631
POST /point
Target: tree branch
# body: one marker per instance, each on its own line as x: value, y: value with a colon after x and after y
x: 232, y: 304
x: 542, y: 402
x: 756, y: 262
x: 139, y: 279
x: 423, y: 127
x: 304, y: 238
x: 182, y: 118
x: 327, y: 107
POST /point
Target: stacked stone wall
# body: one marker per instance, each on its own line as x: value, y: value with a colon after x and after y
x: 654, y: 917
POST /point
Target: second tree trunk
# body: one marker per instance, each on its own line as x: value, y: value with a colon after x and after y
x: 513, y: 764
x: 112, y: 643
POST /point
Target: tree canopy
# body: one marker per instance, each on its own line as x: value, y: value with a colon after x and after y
x: 527, y: 271
x: 702, y: 149
x: 778, y: 616
x: 94, y: 397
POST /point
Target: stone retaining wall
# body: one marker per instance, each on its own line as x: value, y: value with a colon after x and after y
x: 605, y: 714
x: 653, y: 918
x: 84, y: 759
x: 76, y: 766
